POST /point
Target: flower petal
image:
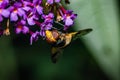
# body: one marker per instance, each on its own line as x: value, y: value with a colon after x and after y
x: 1, y: 18
x: 5, y: 13
x: 39, y: 10
x: 21, y: 12
x: 30, y: 21
x: 69, y: 22
x: 18, y: 30
x: 50, y: 1
x: 25, y: 29
x: 13, y: 17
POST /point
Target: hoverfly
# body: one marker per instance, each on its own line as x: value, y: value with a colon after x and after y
x: 60, y: 40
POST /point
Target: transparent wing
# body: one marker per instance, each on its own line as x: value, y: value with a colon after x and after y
x: 55, y: 54
x: 80, y: 33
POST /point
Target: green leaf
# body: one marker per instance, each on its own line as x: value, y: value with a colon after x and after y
x: 103, y: 41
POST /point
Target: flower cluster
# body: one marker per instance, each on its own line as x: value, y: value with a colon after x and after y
x: 24, y: 15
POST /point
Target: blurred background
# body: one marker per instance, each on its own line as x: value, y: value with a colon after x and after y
x: 94, y: 56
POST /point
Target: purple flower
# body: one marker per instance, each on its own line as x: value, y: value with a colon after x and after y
x: 31, y: 19
x: 34, y: 37
x: 20, y: 27
x: 3, y: 12
x: 25, y: 5
x: 37, y: 8
x: 48, y: 18
x: 33, y: 6
x: 47, y: 24
x: 23, y: 29
x: 44, y: 27
x: 27, y: 13
x: 4, y: 2
x: 51, y: 1
x: 16, y: 10
x: 68, y: 19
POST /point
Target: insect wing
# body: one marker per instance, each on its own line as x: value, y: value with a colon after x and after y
x: 80, y: 33
x: 55, y: 54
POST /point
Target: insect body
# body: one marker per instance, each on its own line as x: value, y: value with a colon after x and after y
x: 60, y: 40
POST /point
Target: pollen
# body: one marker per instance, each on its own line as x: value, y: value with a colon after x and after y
x: 1, y: 1
x: 15, y: 10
